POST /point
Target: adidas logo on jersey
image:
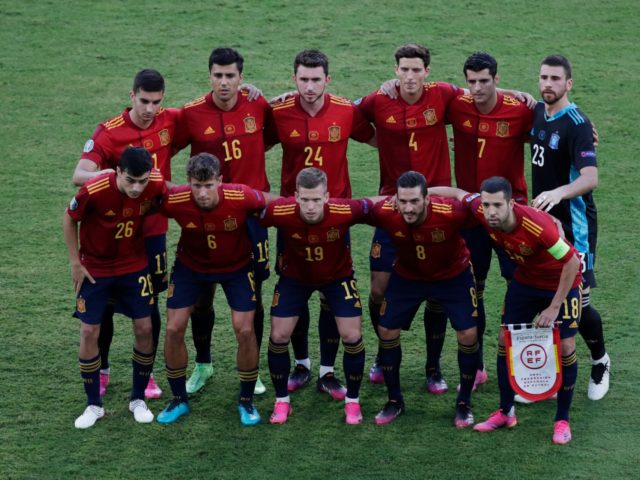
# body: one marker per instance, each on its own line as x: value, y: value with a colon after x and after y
x: 390, y: 120
x: 294, y: 133
x: 209, y: 131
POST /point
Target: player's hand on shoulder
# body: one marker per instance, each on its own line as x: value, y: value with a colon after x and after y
x: 526, y: 98
x: 547, y: 200
x: 253, y: 91
x: 282, y: 97
x: 388, y: 88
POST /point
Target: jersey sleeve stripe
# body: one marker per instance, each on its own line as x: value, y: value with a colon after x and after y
x: 531, y: 226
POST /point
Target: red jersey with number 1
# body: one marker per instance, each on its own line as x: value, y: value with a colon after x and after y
x: 114, y: 136
x: 111, y: 236
x: 492, y: 144
x: 315, y: 253
x: 411, y: 136
x: 319, y: 141
x: 214, y: 241
x: 234, y: 136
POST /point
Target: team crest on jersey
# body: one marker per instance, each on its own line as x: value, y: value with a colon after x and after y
x: 229, y: 129
x: 148, y: 144
x: 554, y: 141
x: 250, y: 124
x: 333, y: 235
x: 502, y: 129
x: 276, y: 299
x: 314, y: 135
x: 376, y: 250
x: 88, y: 146
x: 411, y: 122
x: 314, y: 238
x: 437, y: 236
x: 145, y: 207
x: 127, y: 212
x: 430, y: 116
x: 74, y: 204
x: 81, y: 306
x: 525, y: 249
x: 170, y: 290
x: 209, y: 227
x: 230, y: 224
x: 334, y: 133
x: 483, y: 127
x: 165, y: 137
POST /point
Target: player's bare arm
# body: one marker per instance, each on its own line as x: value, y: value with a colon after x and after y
x: 86, y: 170
x: 449, y: 192
x: 568, y: 275
x: 78, y: 271
x: 586, y: 182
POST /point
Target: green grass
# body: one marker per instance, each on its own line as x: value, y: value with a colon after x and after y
x: 65, y: 67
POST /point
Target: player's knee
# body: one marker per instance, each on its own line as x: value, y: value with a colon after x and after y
x: 387, y: 334
x: 89, y: 333
x: 568, y: 345
x: 468, y: 336
x: 245, y: 332
x: 142, y: 328
x: 175, y: 332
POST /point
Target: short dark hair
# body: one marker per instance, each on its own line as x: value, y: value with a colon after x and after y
x: 413, y: 50
x: 479, y: 61
x: 311, y: 59
x: 136, y: 161
x: 558, y: 61
x: 310, y: 178
x: 226, y: 56
x: 495, y: 185
x: 148, y: 80
x: 413, y: 179
x: 203, y: 167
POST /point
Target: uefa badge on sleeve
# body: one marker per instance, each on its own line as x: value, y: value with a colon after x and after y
x: 533, y: 360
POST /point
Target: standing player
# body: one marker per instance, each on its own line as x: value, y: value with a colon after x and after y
x: 227, y: 124
x: 546, y: 283
x: 145, y: 124
x: 315, y: 255
x: 314, y: 128
x: 432, y: 264
x: 411, y: 135
x: 564, y: 175
x: 111, y: 263
x: 489, y: 132
x: 214, y: 247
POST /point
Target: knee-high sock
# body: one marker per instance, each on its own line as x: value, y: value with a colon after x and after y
x: 106, y: 336
x: 329, y: 335
x: 435, y: 328
x: 258, y: 319
x: 247, y: 384
x: 353, y: 364
x: 390, y: 360
x: 468, y: 363
x: 590, y: 329
x: 177, y: 378
x: 569, y: 376
x: 300, y: 336
x: 374, y: 314
x: 201, y: 328
x: 482, y: 323
x: 142, y: 364
x: 90, y: 373
x: 156, y: 324
x: 506, y: 392
x: 279, y: 366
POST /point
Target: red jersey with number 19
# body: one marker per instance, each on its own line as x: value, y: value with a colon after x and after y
x: 319, y: 141
x: 535, y: 245
x: 214, y: 241
x: 411, y: 136
x: 112, y: 137
x: 111, y: 237
x: 318, y: 253
x: 492, y: 144
x: 234, y: 136
x: 433, y: 250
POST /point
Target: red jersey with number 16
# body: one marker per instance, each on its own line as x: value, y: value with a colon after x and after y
x: 214, y: 241
x: 111, y: 236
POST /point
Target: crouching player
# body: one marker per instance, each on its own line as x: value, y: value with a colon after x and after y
x: 546, y: 283
x: 432, y: 264
x: 111, y: 263
x: 315, y: 255
x: 214, y: 248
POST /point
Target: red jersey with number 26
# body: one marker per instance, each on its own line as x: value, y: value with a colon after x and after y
x: 214, y: 241
x: 114, y: 136
x: 111, y: 237
x: 535, y: 245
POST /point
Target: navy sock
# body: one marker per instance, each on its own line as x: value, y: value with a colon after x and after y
x: 177, y: 378
x: 374, y: 314
x: 565, y: 394
x: 90, y: 373
x: 258, y: 319
x: 156, y: 324
x: 590, y: 329
x: 468, y: 364
x: 142, y: 366
x: 201, y: 328
x: 329, y: 335
x: 106, y: 336
x: 506, y: 392
x: 390, y: 359
x: 247, y: 384
x: 300, y: 335
x: 482, y: 323
x: 435, y: 328
x: 353, y: 364
x: 279, y: 366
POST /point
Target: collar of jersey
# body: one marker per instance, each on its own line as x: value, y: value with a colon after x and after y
x: 571, y: 106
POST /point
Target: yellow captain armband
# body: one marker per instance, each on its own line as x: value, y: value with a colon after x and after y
x: 559, y: 249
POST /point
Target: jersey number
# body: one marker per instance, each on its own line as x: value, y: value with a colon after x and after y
x: 314, y: 254
x: 571, y: 311
x: 147, y: 286
x: 420, y: 252
x: 538, y: 155
x: 211, y: 242
x: 263, y: 251
x: 412, y: 142
x: 312, y: 157
x: 350, y: 290
x: 232, y: 150
x: 482, y: 142
x: 125, y: 229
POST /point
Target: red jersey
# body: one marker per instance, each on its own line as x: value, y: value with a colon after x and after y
x: 315, y: 253
x: 112, y: 137
x: 214, y: 241
x: 488, y: 145
x: 411, y: 137
x: 319, y: 141
x: 111, y: 236
x: 234, y: 136
x: 535, y: 245
x: 433, y: 250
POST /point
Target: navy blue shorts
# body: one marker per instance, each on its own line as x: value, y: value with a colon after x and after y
x: 156, y: 247
x: 383, y: 252
x: 187, y: 285
x: 133, y: 292
x: 403, y: 297
x: 480, y: 246
x: 260, y: 245
x: 522, y: 303
x: 291, y: 296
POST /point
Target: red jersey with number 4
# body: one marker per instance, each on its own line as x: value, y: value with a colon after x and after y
x: 111, y: 234
x: 319, y: 141
x: 433, y: 250
x: 535, y: 245
x: 315, y: 253
x: 114, y: 136
x: 411, y: 137
x: 214, y: 241
x: 234, y: 136
x: 492, y: 144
